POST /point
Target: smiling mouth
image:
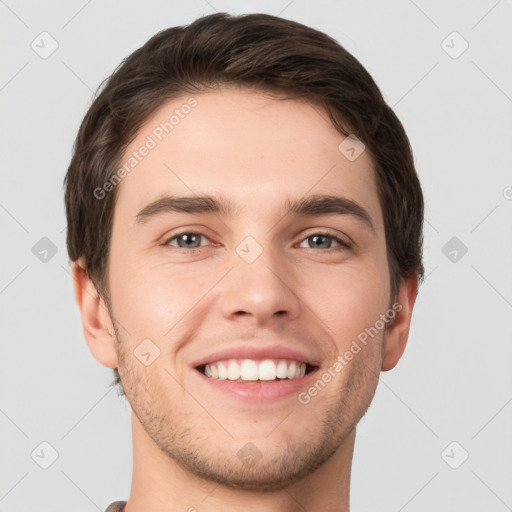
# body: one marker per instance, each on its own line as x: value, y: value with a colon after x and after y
x: 248, y: 370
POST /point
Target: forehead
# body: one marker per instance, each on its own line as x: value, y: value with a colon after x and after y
x: 242, y: 144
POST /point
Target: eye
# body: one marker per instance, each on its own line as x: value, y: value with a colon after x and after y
x: 186, y: 240
x: 192, y: 240
x: 324, y: 241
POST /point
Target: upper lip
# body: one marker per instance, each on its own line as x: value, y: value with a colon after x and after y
x: 257, y: 352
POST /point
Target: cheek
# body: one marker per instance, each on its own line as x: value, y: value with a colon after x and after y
x: 151, y: 300
x: 347, y: 298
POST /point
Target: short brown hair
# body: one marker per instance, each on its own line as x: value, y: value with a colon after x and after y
x: 257, y: 51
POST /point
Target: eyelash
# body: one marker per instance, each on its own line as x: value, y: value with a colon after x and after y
x: 344, y: 245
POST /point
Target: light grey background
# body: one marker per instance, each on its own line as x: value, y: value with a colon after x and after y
x: 454, y: 381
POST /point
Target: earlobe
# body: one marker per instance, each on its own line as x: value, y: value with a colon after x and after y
x: 96, y: 323
x: 397, y: 332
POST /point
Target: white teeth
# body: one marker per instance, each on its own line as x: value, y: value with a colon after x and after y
x: 250, y: 370
x: 223, y: 372
x: 233, y: 371
x: 268, y: 370
x: 292, y: 370
x: 282, y: 370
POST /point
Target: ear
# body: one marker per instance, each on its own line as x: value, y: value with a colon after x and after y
x: 96, y: 323
x: 397, y: 332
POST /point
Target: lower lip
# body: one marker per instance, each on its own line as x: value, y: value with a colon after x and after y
x: 259, y: 391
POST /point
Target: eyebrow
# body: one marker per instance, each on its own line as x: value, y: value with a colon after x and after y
x: 317, y: 204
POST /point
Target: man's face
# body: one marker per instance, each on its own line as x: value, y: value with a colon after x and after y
x: 260, y: 278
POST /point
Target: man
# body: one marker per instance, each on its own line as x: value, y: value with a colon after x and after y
x: 245, y: 227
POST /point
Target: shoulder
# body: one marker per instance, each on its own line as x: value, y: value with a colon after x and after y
x: 116, y: 506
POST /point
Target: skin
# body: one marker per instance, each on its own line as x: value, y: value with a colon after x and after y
x: 256, y: 151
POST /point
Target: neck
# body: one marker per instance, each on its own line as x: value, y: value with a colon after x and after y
x: 159, y: 482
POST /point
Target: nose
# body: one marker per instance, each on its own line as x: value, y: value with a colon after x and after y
x: 262, y: 291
